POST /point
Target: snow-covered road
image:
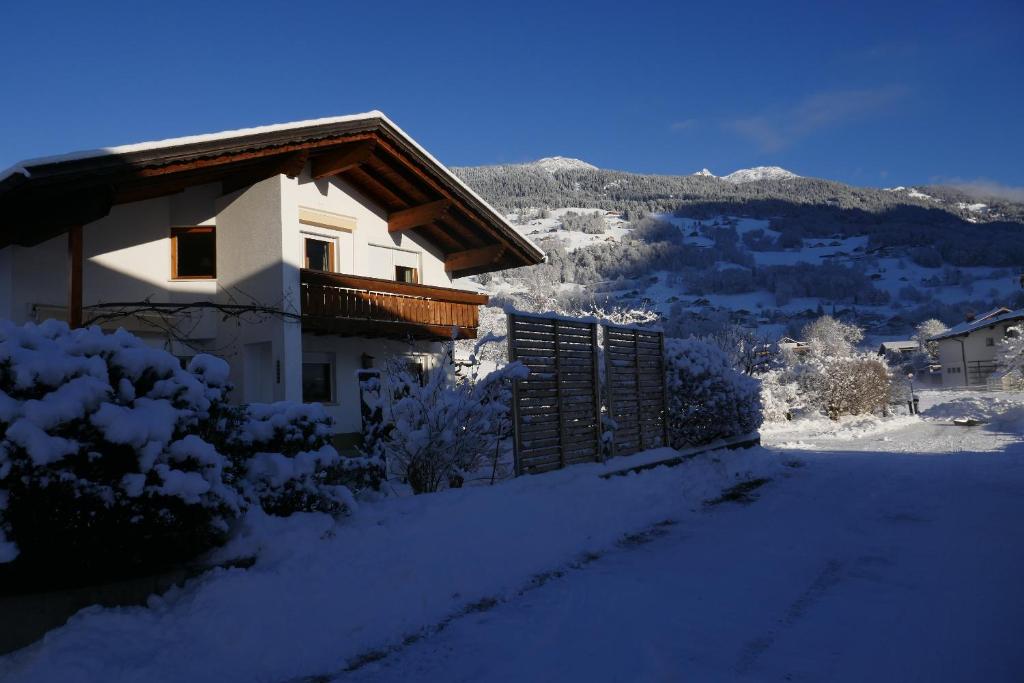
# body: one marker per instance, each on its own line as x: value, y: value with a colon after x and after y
x: 891, y: 554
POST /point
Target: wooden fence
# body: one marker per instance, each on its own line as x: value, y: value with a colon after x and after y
x: 557, y: 408
x: 635, y: 388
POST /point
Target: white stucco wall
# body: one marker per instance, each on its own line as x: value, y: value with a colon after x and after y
x: 335, y: 196
x: 975, y: 348
x: 346, y: 354
x: 251, y: 269
x: 260, y: 251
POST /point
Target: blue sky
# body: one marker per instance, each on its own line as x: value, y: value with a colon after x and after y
x: 868, y: 93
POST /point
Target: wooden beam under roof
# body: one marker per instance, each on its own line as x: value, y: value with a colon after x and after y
x: 473, y: 258
x: 341, y: 160
x: 75, y: 276
x: 290, y: 164
x: 415, y: 216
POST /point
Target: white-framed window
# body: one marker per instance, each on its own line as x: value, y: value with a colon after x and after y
x: 318, y: 385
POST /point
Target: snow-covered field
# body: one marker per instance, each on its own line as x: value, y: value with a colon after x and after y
x: 878, y: 550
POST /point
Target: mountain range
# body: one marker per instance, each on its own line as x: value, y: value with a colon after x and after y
x: 761, y: 247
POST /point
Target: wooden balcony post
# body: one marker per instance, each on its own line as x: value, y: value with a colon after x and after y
x: 75, y: 276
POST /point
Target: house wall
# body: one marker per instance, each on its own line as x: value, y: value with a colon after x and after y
x: 346, y: 354
x: 260, y: 252
x: 126, y: 258
x: 251, y: 269
x: 975, y: 348
x: 371, y: 229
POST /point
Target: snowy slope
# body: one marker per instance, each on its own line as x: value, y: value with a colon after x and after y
x: 749, y: 175
x: 557, y: 164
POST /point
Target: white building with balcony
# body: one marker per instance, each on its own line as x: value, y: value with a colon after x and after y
x: 301, y: 253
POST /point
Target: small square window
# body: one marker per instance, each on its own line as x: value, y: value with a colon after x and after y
x: 319, y: 255
x: 989, y: 341
x: 406, y: 274
x: 318, y: 382
x: 194, y: 253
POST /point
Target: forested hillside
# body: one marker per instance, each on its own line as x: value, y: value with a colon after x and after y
x: 761, y: 247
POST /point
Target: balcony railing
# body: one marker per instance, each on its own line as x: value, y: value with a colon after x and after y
x: 351, y: 305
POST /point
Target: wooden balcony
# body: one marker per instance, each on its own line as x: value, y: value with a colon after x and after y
x: 355, y: 306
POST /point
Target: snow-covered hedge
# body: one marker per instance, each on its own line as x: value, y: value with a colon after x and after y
x: 101, y: 465
x: 707, y: 398
x: 114, y: 459
x: 285, y: 459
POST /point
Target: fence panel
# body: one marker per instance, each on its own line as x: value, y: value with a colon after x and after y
x: 635, y: 388
x: 557, y: 408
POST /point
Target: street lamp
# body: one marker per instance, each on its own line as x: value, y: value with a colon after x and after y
x: 913, y: 399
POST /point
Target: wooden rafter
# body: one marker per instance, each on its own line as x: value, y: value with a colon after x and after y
x: 75, y: 276
x: 415, y: 216
x: 473, y: 258
x: 377, y: 190
x: 290, y: 164
x: 341, y: 160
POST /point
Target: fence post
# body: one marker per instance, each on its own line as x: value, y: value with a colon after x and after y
x: 558, y: 395
x: 595, y: 367
x: 609, y: 394
x: 516, y: 436
x: 664, y: 392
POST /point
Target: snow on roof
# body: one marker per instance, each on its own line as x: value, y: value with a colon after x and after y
x: 900, y: 345
x: 993, y: 317
x: 23, y: 167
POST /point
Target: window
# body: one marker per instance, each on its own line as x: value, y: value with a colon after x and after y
x: 317, y: 378
x: 406, y: 274
x: 319, y: 254
x: 989, y: 341
x: 194, y: 253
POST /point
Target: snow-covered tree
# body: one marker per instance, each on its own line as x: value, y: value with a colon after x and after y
x: 1010, y: 357
x: 925, y: 331
x: 437, y: 428
x: 827, y: 337
x: 829, y: 375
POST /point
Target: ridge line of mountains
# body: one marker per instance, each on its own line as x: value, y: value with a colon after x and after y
x: 761, y: 247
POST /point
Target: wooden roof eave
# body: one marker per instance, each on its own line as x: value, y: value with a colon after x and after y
x: 198, y: 162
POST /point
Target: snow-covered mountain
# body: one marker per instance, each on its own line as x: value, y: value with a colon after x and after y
x: 749, y: 175
x: 761, y: 247
x: 555, y: 164
x: 705, y: 172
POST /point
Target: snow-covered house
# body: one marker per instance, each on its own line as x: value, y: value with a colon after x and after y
x: 967, y: 351
x: 898, y: 349
x: 301, y: 253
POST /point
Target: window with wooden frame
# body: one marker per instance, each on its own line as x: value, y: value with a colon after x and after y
x: 407, y: 274
x: 318, y: 254
x: 194, y: 253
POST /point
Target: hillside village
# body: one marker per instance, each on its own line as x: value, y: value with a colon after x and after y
x: 762, y: 248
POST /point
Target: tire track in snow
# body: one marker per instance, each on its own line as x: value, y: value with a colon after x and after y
x: 829, y: 576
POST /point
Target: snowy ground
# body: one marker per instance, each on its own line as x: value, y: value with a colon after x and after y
x: 886, y: 554
x: 878, y: 551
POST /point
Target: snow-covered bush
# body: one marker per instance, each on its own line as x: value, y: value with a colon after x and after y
x: 285, y: 462
x: 102, y: 464
x: 115, y: 460
x: 1010, y: 358
x: 848, y: 385
x: 780, y: 395
x: 436, y: 428
x: 925, y: 331
x: 707, y: 398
